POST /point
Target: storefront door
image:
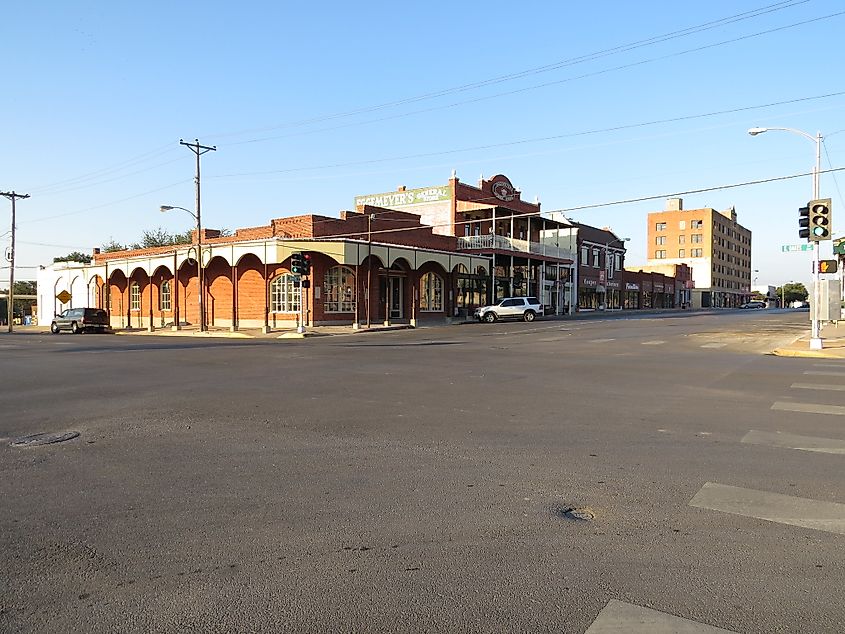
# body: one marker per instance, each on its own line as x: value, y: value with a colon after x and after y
x: 395, y: 297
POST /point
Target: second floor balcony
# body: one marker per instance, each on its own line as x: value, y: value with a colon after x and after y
x: 488, y: 242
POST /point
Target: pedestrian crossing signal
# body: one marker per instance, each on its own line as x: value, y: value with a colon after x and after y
x: 827, y: 266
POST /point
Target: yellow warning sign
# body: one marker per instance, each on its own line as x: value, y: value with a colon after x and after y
x: 64, y: 297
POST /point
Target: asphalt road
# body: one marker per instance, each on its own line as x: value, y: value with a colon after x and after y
x: 418, y: 480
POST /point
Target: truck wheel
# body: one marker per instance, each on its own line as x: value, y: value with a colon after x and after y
x: 529, y: 315
x: 490, y: 317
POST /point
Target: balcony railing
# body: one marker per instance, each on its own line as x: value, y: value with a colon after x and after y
x: 503, y: 243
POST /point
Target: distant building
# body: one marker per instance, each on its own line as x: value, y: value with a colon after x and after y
x: 712, y: 243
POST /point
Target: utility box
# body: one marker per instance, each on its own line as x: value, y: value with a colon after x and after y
x: 830, y: 301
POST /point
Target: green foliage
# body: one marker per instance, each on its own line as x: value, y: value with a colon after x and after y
x: 793, y: 292
x: 76, y: 256
x: 111, y: 246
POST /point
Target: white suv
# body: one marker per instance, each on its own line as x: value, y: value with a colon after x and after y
x: 525, y: 308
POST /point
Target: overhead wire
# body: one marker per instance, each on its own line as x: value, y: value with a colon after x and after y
x: 554, y: 137
x: 535, y: 70
x: 543, y: 85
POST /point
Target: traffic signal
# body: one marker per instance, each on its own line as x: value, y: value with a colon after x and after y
x: 804, y: 222
x: 296, y: 263
x: 306, y: 264
x: 827, y: 266
x: 820, y: 227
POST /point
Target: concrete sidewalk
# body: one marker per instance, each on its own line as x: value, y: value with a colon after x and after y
x: 833, y: 336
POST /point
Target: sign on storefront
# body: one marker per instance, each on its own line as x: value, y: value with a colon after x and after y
x: 407, y: 197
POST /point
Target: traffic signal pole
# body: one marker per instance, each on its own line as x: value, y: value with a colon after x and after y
x: 816, y: 342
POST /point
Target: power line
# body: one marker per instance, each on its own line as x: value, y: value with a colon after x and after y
x: 535, y: 70
x: 108, y: 204
x: 578, y: 208
x: 547, y: 84
x: 536, y: 139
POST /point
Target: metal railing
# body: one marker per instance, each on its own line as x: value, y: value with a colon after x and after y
x: 505, y: 243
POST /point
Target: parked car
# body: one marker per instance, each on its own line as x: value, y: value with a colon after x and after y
x: 78, y: 320
x: 525, y: 308
x: 754, y: 303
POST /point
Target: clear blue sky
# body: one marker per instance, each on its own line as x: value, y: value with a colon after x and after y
x: 301, y: 101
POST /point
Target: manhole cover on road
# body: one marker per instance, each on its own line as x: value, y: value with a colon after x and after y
x: 583, y: 514
x: 43, y: 439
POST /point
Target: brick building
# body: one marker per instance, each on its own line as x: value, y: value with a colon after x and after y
x: 492, y: 220
x: 374, y: 265
x: 712, y: 243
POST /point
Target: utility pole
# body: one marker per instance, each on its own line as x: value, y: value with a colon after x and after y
x: 11, y: 296
x: 199, y: 150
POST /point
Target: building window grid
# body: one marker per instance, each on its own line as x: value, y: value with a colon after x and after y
x: 659, y: 240
x: 135, y: 296
x: 284, y: 294
x: 660, y: 255
x: 660, y: 226
x: 164, y: 296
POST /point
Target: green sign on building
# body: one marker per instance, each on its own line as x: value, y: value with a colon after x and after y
x: 839, y: 246
x: 406, y: 197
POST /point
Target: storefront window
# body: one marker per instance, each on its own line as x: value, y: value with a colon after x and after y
x: 431, y: 292
x: 338, y: 292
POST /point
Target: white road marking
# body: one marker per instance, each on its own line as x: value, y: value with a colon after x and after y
x: 810, y: 408
x: 772, y: 507
x: 618, y: 617
x: 829, y: 365
x: 601, y: 340
x: 652, y: 343
x: 714, y: 345
x: 794, y: 441
x: 818, y: 386
x: 824, y: 373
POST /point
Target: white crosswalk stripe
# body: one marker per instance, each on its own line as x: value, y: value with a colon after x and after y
x: 794, y: 441
x: 618, y: 617
x: 653, y: 343
x: 773, y: 507
x: 818, y: 386
x: 823, y: 373
x: 809, y: 408
x: 714, y: 345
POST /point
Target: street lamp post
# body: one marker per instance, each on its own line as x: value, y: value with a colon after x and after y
x: 815, y: 325
x: 607, y: 265
x: 196, y: 217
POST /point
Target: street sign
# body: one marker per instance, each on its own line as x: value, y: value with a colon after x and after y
x: 796, y: 248
x: 827, y: 266
x: 839, y: 246
x: 64, y: 297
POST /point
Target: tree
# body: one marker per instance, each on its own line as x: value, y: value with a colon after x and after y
x: 111, y: 246
x: 793, y: 292
x: 76, y: 256
x: 160, y: 237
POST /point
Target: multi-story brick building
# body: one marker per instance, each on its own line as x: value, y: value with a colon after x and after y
x: 492, y: 220
x: 712, y: 243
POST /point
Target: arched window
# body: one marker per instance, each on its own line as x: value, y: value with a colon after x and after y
x: 339, y: 290
x: 164, y: 296
x: 431, y: 292
x: 284, y: 296
x: 135, y: 296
